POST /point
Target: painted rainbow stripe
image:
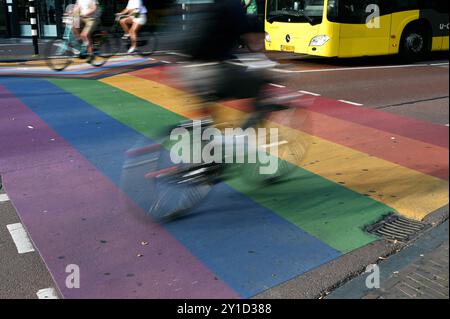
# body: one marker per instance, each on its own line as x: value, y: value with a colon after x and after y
x: 63, y: 175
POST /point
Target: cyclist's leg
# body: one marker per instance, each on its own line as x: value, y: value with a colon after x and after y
x: 138, y: 23
x: 125, y: 23
x: 86, y: 34
x: 133, y: 34
x: 76, y: 32
x: 242, y: 83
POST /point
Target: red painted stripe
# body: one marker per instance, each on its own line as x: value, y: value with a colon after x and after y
x: 427, y: 158
x: 161, y: 172
x: 423, y: 157
x: 143, y: 150
x: 395, y: 124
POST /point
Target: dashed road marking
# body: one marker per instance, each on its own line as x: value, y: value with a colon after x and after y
x: 309, y: 93
x: 4, y: 198
x: 177, y: 54
x: 350, y: 102
x: 47, y: 293
x: 277, y: 85
x: 167, y: 62
x: 439, y: 64
x: 20, y: 238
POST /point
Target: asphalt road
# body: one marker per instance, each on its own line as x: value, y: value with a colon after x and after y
x: 418, y: 91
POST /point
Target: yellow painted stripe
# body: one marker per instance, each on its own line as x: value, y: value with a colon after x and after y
x: 411, y: 193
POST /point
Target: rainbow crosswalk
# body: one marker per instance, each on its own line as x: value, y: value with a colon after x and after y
x: 63, y: 176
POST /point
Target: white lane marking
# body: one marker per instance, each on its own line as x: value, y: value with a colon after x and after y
x: 47, y: 293
x: 175, y: 53
x: 439, y: 64
x: 277, y: 85
x: 309, y: 93
x: 20, y: 238
x: 357, y: 68
x: 274, y: 144
x: 200, y: 65
x: 4, y: 198
x: 350, y: 102
x: 167, y: 62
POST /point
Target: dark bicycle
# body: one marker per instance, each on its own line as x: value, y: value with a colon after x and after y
x: 168, y: 189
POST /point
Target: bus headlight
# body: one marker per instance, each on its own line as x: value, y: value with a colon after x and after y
x: 267, y: 37
x: 319, y: 40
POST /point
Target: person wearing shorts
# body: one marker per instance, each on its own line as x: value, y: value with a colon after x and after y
x: 88, y: 11
x: 136, y: 18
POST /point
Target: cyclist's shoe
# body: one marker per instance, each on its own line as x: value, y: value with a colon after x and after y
x: 132, y: 50
x: 125, y: 36
x: 90, y: 58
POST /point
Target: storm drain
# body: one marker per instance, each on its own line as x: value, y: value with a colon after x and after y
x: 394, y: 227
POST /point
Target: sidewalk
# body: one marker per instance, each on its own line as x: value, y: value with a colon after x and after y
x: 19, y: 50
x: 420, y: 271
x: 22, y: 50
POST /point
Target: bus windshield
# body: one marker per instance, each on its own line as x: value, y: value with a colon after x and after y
x: 303, y: 11
x: 350, y: 11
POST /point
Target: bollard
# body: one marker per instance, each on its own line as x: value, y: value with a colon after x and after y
x: 33, y: 22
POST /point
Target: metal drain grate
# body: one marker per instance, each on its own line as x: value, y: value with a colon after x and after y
x: 398, y: 228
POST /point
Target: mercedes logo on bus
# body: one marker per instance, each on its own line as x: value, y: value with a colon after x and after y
x: 288, y: 38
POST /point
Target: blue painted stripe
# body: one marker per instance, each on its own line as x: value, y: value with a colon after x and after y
x: 245, y: 244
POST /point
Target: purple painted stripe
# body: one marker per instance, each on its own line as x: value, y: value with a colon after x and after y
x: 68, y: 201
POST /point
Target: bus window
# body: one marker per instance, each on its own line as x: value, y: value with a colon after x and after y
x: 349, y: 11
x: 295, y: 11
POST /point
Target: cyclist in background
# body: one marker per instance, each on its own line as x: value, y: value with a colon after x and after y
x: 210, y: 43
x: 89, y: 13
x: 136, y: 18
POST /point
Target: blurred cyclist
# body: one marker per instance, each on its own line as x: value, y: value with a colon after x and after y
x: 89, y: 13
x: 136, y: 18
x: 210, y: 42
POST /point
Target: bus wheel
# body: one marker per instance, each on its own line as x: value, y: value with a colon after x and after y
x: 414, y: 44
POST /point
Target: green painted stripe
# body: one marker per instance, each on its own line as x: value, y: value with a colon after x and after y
x: 330, y: 212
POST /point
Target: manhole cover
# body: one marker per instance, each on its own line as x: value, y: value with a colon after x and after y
x: 398, y: 228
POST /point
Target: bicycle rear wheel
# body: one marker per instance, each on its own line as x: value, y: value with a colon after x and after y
x: 284, y: 148
x: 59, y: 54
x: 147, y: 43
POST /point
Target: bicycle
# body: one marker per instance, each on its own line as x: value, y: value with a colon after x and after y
x: 167, y: 190
x: 60, y: 53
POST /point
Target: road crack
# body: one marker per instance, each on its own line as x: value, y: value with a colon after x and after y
x: 413, y: 102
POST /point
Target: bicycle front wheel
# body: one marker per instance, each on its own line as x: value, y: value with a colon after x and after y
x: 59, y: 54
x: 102, y: 50
x: 179, y: 188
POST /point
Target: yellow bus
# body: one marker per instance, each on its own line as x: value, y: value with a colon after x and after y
x: 355, y: 28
